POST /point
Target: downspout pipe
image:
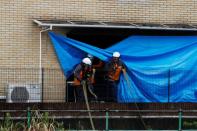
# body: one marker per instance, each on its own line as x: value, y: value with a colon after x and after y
x: 40, y: 56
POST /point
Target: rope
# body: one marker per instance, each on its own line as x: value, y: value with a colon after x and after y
x: 92, y: 93
x: 140, y: 115
x: 87, y: 104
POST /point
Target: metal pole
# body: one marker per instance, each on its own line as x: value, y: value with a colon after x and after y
x: 169, y: 85
x: 180, y: 120
x: 42, y: 83
x: 107, y: 120
x: 28, y: 117
x: 40, y: 57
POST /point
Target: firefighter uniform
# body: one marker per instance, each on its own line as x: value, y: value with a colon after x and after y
x: 83, y: 74
x: 113, y: 69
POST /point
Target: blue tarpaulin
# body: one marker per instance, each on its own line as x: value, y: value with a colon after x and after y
x: 159, y: 68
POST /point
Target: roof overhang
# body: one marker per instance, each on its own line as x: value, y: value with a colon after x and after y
x: 111, y: 25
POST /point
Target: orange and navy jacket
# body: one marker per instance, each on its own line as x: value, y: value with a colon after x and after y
x: 81, y: 74
x: 114, y: 70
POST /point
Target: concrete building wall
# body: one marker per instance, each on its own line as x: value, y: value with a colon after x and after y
x: 19, y: 36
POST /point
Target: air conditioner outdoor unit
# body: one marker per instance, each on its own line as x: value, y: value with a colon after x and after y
x: 23, y: 93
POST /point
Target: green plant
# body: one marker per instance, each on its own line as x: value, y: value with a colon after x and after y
x: 8, y: 124
x: 190, y: 124
x: 43, y: 122
x: 39, y: 122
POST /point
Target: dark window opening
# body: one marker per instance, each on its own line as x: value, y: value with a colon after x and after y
x: 104, y: 38
x: 99, y: 38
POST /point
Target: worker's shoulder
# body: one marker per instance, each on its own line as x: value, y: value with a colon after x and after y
x: 79, y: 66
x: 120, y: 62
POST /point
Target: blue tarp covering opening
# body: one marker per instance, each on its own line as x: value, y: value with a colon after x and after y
x: 159, y: 68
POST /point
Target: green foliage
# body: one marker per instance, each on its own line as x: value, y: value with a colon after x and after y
x: 43, y: 122
x: 39, y: 122
x: 190, y: 124
x: 8, y: 124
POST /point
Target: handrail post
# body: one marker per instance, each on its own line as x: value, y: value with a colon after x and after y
x: 169, y: 74
x: 107, y: 119
x: 28, y: 117
x: 180, y: 119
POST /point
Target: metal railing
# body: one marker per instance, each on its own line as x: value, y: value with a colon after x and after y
x: 107, y: 116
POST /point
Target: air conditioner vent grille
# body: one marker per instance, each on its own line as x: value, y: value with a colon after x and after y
x: 20, y: 94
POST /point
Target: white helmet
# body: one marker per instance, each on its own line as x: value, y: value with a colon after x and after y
x: 87, y: 61
x: 90, y: 56
x: 116, y: 54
